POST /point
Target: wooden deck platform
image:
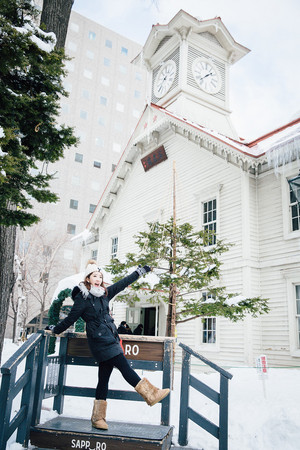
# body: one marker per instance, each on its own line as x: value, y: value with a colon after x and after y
x: 59, y: 433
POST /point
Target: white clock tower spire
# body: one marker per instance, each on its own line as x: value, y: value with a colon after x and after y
x: 189, y: 62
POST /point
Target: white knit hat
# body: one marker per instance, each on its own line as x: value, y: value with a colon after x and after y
x: 91, y: 267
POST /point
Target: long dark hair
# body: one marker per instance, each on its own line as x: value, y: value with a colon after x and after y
x: 88, y: 284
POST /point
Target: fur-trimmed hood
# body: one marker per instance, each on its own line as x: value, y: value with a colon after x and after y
x: 97, y: 292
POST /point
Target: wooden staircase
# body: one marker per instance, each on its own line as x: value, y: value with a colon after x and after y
x: 66, y: 433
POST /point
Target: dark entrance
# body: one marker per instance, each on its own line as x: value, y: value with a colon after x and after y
x: 149, y: 321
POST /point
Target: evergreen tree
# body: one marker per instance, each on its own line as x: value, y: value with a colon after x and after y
x: 31, y: 77
x: 186, y: 275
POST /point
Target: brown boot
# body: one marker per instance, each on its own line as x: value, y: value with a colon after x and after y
x: 150, y: 393
x: 99, y: 414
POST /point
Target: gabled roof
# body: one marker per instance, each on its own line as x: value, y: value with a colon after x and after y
x: 182, y: 23
x: 156, y: 119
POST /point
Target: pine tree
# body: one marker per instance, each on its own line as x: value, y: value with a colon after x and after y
x: 186, y: 275
x: 31, y: 85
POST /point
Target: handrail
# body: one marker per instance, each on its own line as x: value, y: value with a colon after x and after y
x: 206, y: 361
x: 221, y: 398
x: 21, y: 353
x: 34, y: 351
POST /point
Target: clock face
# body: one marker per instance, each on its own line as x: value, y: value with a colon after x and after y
x: 164, y: 79
x: 206, y: 75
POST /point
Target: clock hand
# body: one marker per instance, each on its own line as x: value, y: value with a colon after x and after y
x: 207, y: 75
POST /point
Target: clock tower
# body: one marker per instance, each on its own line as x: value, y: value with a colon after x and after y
x: 189, y: 63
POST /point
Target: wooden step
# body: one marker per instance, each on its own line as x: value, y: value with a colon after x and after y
x: 67, y: 433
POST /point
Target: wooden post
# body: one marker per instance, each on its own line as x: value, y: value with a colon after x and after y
x: 184, y: 399
x: 40, y: 378
x: 58, y: 403
x: 223, y: 413
x: 28, y: 397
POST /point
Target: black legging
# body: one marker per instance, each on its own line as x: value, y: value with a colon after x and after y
x: 105, y: 370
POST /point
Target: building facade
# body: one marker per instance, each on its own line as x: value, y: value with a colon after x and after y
x: 241, y: 189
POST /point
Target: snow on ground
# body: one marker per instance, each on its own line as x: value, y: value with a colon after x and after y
x: 262, y: 415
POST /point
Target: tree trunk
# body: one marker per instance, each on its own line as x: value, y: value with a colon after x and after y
x: 7, y: 277
x: 55, y: 17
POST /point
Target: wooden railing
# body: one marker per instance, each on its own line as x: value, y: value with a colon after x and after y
x: 45, y: 376
x: 34, y: 354
x: 221, y: 398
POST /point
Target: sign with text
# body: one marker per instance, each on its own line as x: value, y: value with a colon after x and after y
x: 133, y: 349
x: 156, y: 157
x: 262, y: 365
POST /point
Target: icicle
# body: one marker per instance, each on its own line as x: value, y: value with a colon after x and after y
x: 284, y: 151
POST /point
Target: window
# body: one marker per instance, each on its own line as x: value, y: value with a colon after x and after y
x: 108, y: 43
x: 83, y: 114
x: 92, y: 35
x: 71, y: 228
x: 210, y: 220
x: 97, y: 164
x: 94, y: 254
x: 122, y: 69
x: 90, y: 54
x: 74, y: 27
x: 113, y: 167
x: 78, y: 157
x: 120, y: 107
x: 64, y: 108
x: 101, y: 121
x: 105, y: 81
x: 209, y: 330
x: 294, y: 207
x: 297, y: 287
x: 114, y: 247
x: 92, y: 208
x: 138, y: 76
x: 116, y: 147
x: 88, y: 74
x: 137, y: 94
x: 121, y: 88
x: 86, y: 94
x: 118, y: 126
x: 72, y: 46
x: 106, y: 62
x: 69, y: 66
x: 99, y: 142
x: 95, y: 186
x: 75, y: 180
x: 124, y: 51
x: 103, y: 101
x: 73, y: 204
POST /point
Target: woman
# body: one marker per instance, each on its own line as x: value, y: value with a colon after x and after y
x: 91, y: 302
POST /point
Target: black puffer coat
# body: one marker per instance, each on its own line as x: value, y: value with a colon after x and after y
x: 101, y: 330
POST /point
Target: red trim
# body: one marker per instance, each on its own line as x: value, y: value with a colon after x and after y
x: 271, y: 133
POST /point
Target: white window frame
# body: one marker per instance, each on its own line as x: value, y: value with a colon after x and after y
x: 286, y: 210
x: 114, y: 244
x: 210, y: 193
x: 292, y: 277
x: 207, y: 224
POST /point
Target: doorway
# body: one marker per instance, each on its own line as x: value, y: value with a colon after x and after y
x: 148, y: 317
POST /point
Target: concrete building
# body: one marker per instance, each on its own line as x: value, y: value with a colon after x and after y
x: 107, y: 95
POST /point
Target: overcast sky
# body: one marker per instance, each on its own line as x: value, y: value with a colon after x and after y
x: 265, y: 84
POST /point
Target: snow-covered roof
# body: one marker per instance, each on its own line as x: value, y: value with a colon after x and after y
x: 277, y: 147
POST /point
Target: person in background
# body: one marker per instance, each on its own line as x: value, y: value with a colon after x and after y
x: 91, y: 302
x: 129, y: 331
x: 122, y: 327
x: 138, y: 329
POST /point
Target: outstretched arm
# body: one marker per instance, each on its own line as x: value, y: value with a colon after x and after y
x: 120, y: 285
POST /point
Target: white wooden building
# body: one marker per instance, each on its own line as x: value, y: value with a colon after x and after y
x: 244, y: 185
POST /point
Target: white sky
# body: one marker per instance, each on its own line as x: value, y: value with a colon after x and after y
x: 265, y: 84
